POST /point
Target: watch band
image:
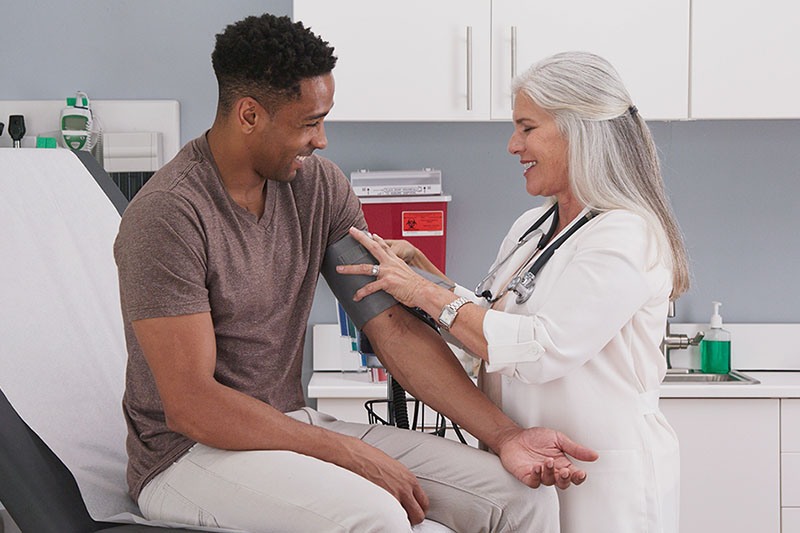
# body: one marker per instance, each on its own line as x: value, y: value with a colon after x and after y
x: 450, y: 311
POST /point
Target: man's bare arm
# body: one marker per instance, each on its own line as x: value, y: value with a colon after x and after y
x: 181, y: 353
x: 422, y: 362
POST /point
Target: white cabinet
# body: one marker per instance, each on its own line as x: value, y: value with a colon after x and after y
x: 790, y: 519
x: 405, y: 61
x: 745, y: 59
x: 408, y: 61
x: 790, y: 465
x: 730, y: 464
x: 647, y: 41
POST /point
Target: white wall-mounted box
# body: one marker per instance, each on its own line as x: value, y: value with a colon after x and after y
x: 132, y: 152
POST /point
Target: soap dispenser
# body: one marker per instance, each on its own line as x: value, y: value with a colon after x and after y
x: 715, y: 348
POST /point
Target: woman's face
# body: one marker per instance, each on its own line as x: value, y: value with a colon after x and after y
x: 541, y: 149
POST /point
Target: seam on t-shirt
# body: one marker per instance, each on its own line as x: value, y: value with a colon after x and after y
x: 182, y: 304
x: 196, y: 306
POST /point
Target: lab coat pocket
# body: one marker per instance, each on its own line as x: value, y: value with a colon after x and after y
x: 612, y: 499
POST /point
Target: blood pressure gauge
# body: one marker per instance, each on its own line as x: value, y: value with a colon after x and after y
x: 76, y: 122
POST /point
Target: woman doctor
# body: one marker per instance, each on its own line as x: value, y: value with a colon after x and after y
x: 580, y: 352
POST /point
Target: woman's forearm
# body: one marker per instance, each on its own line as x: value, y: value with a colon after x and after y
x: 468, y: 325
x: 421, y: 261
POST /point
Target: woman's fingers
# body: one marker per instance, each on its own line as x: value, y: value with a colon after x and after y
x: 363, y: 270
x: 369, y: 243
x: 366, y: 290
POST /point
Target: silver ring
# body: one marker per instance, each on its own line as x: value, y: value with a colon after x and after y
x: 375, y: 270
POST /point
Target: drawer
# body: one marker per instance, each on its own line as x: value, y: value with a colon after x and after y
x: 790, y: 519
x: 790, y: 480
x: 790, y: 425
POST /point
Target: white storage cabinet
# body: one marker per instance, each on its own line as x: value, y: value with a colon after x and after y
x: 409, y: 61
x: 730, y: 464
x: 745, y: 59
x: 647, y: 41
x: 790, y: 465
x: 405, y: 61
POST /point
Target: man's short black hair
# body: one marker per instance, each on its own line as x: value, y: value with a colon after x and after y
x: 265, y: 58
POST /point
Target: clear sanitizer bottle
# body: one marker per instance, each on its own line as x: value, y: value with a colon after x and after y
x: 715, y: 348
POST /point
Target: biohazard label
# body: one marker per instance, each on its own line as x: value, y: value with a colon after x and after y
x: 423, y: 223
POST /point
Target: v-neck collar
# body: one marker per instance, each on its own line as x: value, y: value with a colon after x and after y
x: 270, y: 199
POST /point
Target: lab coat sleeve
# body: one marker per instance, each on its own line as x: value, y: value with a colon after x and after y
x: 599, y: 290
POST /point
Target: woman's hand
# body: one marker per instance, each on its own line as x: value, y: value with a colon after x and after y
x: 403, y: 249
x: 394, y: 275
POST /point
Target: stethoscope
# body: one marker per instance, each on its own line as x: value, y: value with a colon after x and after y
x: 523, y: 284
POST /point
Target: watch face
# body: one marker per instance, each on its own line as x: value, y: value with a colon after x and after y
x: 447, y: 316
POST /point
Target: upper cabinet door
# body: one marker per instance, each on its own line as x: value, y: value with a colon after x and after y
x: 647, y: 41
x: 745, y: 59
x: 414, y: 60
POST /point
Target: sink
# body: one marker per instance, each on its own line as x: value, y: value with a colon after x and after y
x: 686, y: 375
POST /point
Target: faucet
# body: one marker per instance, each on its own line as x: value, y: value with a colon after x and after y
x: 680, y: 341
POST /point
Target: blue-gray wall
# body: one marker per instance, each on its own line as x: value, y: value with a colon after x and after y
x: 735, y: 185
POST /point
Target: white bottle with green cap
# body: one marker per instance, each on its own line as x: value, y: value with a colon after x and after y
x: 715, y: 348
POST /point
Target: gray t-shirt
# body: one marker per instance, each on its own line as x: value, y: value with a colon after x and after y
x: 185, y: 247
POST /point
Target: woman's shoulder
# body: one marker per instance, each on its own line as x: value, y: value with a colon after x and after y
x: 619, y: 223
x: 626, y: 233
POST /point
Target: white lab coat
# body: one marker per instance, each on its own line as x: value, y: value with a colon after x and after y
x: 582, y: 356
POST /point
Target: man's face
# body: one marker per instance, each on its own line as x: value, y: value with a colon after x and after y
x: 294, y: 131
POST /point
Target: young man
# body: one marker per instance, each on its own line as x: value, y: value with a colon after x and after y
x: 218, y: 259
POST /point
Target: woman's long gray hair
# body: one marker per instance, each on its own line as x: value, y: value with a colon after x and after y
x: 612, y: 157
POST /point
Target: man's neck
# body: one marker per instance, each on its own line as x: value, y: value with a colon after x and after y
x: 241, y: 181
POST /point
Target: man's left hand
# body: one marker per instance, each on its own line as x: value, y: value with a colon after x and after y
x: 538, y: 456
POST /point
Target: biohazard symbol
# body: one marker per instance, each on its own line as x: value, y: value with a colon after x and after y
x: 411, y: 223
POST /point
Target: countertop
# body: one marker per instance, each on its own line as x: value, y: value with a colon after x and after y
x: 773, y: 385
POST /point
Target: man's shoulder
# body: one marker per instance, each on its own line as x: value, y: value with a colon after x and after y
x: 180, y: 181
x: 177, y: 173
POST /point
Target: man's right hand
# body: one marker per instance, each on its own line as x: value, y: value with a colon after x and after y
x: 390, y: 474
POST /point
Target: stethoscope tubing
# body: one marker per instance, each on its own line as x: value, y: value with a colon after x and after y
x: 523, y: 284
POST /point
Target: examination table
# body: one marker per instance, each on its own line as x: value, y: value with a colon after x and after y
x: 63, y: 355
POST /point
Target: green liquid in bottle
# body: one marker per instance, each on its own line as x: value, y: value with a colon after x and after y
x: 715, y: 357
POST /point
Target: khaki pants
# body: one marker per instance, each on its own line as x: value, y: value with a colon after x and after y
x: 282, y: 491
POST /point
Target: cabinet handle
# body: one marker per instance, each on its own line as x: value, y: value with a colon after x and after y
x: 469, y: 68
x: 513, y: 52
x: 513, y: 60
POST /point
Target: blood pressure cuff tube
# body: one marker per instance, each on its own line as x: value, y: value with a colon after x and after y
x: 348, y: 251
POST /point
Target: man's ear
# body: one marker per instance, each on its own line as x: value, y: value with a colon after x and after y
x: 247, y: 113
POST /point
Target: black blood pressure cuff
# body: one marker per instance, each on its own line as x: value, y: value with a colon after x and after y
x: 349, y: 251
